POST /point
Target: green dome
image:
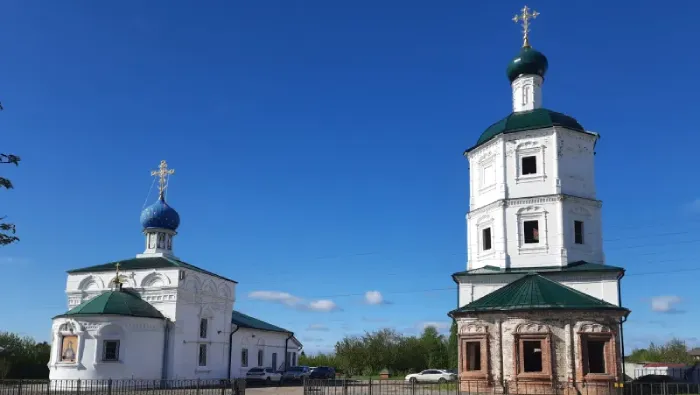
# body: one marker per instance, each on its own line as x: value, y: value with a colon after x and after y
x: 528, y: 61
x: 120, y: 302
x: 528, y: 120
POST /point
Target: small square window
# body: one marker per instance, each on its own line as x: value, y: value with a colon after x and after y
x: 244, y: 357
x: 202, y: 355
x: 110, y: 351
x: 531, y: 230
x: 473, y: 356
x: 596, y: 356
x: 261, y: 357
x: 578, y: 232
x: 529, y: 165
x: 532, y: 356
x: 486, y: 239
x: 203, y: 328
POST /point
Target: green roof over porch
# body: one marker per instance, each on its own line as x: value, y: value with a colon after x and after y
x: 534, y: 292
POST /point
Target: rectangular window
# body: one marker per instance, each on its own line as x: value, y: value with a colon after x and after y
x: 203, y: 328
x: 578, y: 232
x: 244, y: 357
x: 529, y: 165
x: 532, y: 356
x: 202, y: 355
x: 294, y: 359
x: 486, y: 239
x: 532, y: 231
x: 274, y: 360
x: 473, y: 356
x: 110, y: 350
x: 596, y: 356
x: 261, y: 357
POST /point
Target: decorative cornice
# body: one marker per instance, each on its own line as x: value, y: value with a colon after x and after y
x: 536, y: 200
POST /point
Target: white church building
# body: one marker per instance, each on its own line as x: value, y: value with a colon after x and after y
x: 537, y: 306
x: 155, y: 316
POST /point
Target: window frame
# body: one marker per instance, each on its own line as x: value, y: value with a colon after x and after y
x: 244, y: 357
x: 261, y: 358
x: 483, y: 341
x: 582, y: 233
x: 104, y: 350
x: 546, y: 352
x: 525, y: 150
x: 609, y: 354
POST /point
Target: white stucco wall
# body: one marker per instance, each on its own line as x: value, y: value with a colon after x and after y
x: 601, y: 285
x: 184, y: 296
x: 140, y: 351
x: 561, y: 192
x: 254, y: 340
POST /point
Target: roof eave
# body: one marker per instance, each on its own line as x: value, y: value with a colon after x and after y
x: 526, y: 309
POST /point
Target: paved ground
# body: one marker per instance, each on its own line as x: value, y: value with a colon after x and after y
x: 275, y: 390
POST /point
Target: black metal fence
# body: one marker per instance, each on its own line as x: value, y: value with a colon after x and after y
x: 123, y: 387
x: 401, y: 387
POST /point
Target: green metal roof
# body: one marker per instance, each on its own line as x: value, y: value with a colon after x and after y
x: 145, y: 263
x: 534, y: 292
x: 117, y: 302
x: 246, y: 321
x: 527, y: 120
x: 580, y: 266
x: 528, y: 61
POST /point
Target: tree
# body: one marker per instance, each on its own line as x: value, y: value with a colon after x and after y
x: 23, y: 357
x: 674, y: 351
x: 7, y: 230
x: 453, y: 347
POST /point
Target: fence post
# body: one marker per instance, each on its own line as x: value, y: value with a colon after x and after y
x: 413, y: 387
x: 109, y: 386
x: 223, y: 385
x: 77, y: 387
x: 197, y: 389
x: 370, y: 386
x: 19, y: 390
x: 48, y: 387
x: 345, y: 386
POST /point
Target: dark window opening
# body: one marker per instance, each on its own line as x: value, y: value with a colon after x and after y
x: 596, y: 356
x: 203, y: 328
x: 473, y: 356
x: 244, y: 357
x: 486, y: 239
x: 111, y: 350
x: 532, y: 356
x: 529, y: 165
x: 274, y: 360
x: 202, y: 355
x: 532, y: 232
x: 261, y: 356
x: 578, y: 232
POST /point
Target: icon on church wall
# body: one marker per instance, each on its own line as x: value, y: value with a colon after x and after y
x: 68, y: 348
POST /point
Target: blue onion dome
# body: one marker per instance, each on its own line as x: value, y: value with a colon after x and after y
x: 160, y: 215
x: 528, y: 61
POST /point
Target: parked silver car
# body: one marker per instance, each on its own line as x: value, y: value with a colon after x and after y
x: 296, y: 373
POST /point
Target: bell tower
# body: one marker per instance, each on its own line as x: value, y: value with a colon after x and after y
x: 532, y: 188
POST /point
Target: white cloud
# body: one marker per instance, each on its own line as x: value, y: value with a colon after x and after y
x: 665, y: 304
x: 289, y: 300
x: 374, y: 297
x: 440, y: 326
x: 317, y: 328
x: 322, y: 305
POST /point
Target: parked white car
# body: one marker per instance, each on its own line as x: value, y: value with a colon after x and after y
x: 431, y: 376
x: 265, y: 375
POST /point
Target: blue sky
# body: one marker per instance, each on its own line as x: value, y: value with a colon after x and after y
x: 317, y: 146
